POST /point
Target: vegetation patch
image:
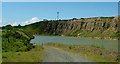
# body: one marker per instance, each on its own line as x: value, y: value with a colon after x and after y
x: 15, y: 40
x: 16, y: 46
x: 34, y: 55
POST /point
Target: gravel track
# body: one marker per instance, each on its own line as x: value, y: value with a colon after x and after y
x: 58, y: 55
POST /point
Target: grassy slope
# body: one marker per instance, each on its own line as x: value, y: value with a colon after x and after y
x: 16, y: 46
x: 0, y: 46
x: 34, y: 55
x: 15, y: 40
x: 111, y: 33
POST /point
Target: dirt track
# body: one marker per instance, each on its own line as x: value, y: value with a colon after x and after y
x: 58, y: 55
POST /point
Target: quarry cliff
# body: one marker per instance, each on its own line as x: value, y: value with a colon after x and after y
x: 102, y: 27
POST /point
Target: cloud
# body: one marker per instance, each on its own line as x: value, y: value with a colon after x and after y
x: 14, y: 24
x: 0, y: 22
x: 32, y: 20
x: 4, y: 23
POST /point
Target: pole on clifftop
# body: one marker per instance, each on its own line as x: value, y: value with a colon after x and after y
x: 57, y: 15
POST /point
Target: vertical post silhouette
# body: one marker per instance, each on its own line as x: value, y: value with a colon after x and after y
x: 57, y: 15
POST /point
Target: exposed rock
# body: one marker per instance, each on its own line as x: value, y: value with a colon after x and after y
x: 63, y: 27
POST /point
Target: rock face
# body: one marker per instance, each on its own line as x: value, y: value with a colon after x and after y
x: 89, y: 27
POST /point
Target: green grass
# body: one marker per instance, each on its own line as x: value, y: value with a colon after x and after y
x: 0, y: 46
x: 34, y: 55
x: 15, y: 40
x: 16, y: 46
x: 0, y: 55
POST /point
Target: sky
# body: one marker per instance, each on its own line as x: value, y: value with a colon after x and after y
x: 0, y: 14
x: 23, y: 13
x: 60, y: 0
